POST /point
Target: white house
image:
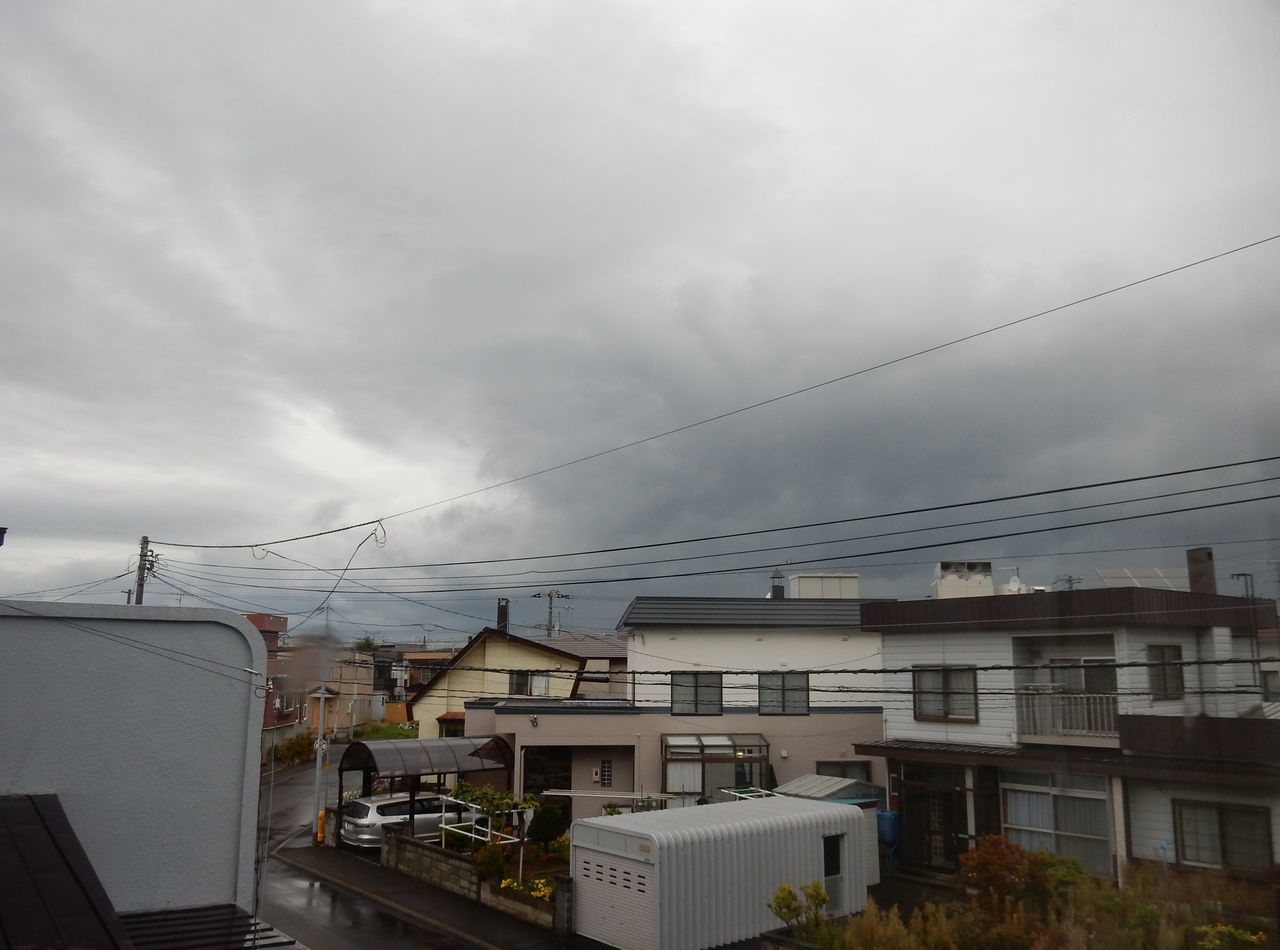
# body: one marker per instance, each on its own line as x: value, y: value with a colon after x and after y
x: 721, y: 692
x: 1117, y: 725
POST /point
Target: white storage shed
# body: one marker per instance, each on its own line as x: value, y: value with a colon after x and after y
x: 703, y: 876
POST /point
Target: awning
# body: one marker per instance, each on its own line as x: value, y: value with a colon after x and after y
x: 395, y: 758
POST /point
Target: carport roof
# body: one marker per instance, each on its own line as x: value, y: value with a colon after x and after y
x: 405, y: 757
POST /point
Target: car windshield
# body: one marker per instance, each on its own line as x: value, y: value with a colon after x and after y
x: 357, y: 810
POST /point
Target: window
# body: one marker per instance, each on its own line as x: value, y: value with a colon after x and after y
x: 855, y: 770
x: 1236, y: 837
x: 606, y: 773
x: 696, y: 693
x: 1065, y: 813
x: 784, y: 694
x: 523, y: 683
x: 1165, y: 681
x: 1084, y: 675
x: 1271, y: 686
x: 945, y: 693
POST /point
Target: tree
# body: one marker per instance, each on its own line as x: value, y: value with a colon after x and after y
x: 366, y: 644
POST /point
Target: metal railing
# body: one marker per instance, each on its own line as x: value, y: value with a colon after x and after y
x: 1049, y: 713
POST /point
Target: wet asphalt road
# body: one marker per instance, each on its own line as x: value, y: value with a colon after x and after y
x: 312, y: 912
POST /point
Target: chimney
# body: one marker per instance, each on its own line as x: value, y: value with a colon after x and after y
x: 778, y: 591
x: 504, y: 611
x: 1200, y: 573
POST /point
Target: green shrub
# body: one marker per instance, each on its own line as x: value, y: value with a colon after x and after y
x: 548, y: 824
x: 560, y: 848
x: 489, y: 862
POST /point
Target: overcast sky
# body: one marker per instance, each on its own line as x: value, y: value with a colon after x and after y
x: 271, y: 269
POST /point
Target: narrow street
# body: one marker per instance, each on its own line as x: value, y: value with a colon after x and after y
x: 314, y: 913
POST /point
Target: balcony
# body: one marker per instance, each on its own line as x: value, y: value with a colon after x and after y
x: 1067, y: 718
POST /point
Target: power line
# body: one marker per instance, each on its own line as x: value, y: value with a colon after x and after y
x: 752, y: 406
x: 954, y: 542
x: 805, y: 544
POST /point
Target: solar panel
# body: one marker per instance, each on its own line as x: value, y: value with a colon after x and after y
x: 1162, y: 578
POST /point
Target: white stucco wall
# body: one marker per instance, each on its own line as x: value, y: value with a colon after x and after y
x: 144, y: 723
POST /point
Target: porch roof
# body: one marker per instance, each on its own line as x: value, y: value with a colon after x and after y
x: 408, y: 757
x: 1078, y: 759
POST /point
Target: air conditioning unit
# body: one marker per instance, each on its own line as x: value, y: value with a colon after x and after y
x: 595, y: 775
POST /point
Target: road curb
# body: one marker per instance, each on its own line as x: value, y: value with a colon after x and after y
x: 378, y: 898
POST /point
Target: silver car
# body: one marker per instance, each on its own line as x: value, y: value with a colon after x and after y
x: 364, y: 819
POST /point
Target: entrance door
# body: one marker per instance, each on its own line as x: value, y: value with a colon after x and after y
x: 933, y: 816
x: 833, y: 872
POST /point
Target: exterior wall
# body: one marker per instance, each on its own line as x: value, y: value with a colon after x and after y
x: 149, y: 714
x: 653, y: 652
x: 1209, y: 643
x: 585, y: 761
x: 1151, y: 813
x: 796, y: 743
x: 997, y: 721
x: 452, y: 691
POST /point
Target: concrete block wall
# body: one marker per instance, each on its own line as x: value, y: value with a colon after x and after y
x: 431, y: 864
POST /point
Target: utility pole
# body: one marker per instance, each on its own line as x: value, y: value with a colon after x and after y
x: 551, y: 596
x: 317, y: 826
x: 145, y: 563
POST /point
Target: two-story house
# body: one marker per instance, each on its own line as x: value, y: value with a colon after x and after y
x: 720, y: 692
x: 492, y: 664
x: 1117, y: 725
x: 284, y: 714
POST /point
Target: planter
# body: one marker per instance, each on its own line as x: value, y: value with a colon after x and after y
x: 529, y: 909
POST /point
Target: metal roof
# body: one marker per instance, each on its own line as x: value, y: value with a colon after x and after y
x: 741, y: 612
x: 405, y: 757
x: 1078, y: 759
x: 822, y: 786
x: 50, y: 896
x: 708, y: 822
x: 1071, y: 610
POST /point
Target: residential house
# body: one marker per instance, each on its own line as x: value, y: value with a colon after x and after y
x: 1116, y: 725
x: 284, y: 714
x: 342, y: 679
x: 719, y: 695
x: 492, y: 664
x: 604, y: 661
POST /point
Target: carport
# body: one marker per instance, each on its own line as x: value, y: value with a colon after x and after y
x: 408, y: 760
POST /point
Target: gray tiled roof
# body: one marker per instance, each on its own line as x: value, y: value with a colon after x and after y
x: 589, y: 646
x: 741, y: 612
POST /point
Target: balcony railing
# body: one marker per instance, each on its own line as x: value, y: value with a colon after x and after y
x: 1049, y: 714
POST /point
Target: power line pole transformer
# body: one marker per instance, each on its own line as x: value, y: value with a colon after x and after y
x: 145, y: 564
x: 551, y: 596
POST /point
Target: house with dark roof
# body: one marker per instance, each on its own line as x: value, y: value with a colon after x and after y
x: 720, y: 693
x: 1116, y: 725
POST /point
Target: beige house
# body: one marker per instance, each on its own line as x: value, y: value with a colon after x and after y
x: 344, y: 678
x: 493, y: 665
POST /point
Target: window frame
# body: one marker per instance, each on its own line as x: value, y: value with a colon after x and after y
x: 701, y: 682
x: 783, y: 691
x: 1057, y: 785
x: 534, y: 683
x: 1221, y: 808
x: 946, y: 692
x: 1160, y: 679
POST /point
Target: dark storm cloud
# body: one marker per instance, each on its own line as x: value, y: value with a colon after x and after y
x: 279, y: 269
